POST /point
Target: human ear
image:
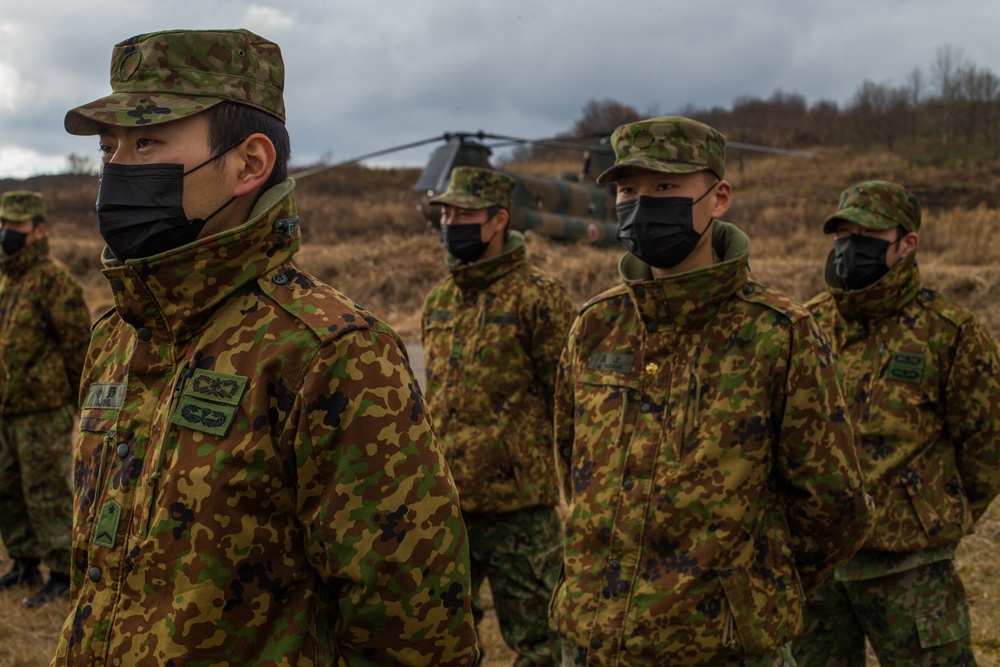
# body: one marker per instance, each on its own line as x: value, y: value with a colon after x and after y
x: 723, y: 199
x: 255, y: 161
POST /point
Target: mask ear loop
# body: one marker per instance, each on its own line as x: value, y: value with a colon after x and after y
x: 200, y: 221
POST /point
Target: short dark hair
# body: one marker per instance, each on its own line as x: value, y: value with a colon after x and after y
x: 711, y: 178
x: 230, y: 123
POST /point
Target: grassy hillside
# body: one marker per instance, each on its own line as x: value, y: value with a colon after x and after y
x: 362, y: 234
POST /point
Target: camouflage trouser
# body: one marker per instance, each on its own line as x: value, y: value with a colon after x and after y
x: 916, y: 617
x: 521, y: 555
x: 36, y: 498
x: 574, y: 656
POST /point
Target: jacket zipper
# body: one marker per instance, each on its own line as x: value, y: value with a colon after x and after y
x: 161, y: 451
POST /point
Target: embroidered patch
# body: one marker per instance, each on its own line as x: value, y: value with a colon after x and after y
x: 440, y: 315
x: 619, y: 363
x: 105, y: 396
x: 209, y: 402
x: 906, y: 367
x: 501, y: 319
x: 107, y: 524
x: 216, y: 386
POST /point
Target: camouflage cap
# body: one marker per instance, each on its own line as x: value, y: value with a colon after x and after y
x: 164, y: 76
x: 876, y: 205
x: 474, y: 187
x: 670, y: 144
x: 21, y: 205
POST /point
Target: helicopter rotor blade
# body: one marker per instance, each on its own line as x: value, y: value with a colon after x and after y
x: 324, y: 167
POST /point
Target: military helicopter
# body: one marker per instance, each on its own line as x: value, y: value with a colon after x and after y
x: 569, y: 207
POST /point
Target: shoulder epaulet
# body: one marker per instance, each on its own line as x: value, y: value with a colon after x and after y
x: 613, y: 293
x: 759, y: 293
x: 321, y: 308
x: 945, y: 307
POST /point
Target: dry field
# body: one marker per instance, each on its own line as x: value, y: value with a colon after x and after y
x: 362, y: 234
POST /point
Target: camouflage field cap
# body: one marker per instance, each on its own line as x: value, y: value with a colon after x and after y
x: 670, y: 144
x: 473, y: 187
x: 876, y: 205
x: 21, y: 205
x: 163, y: 76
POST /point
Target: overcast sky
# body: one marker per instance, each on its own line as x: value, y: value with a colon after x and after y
x: 366, y: 75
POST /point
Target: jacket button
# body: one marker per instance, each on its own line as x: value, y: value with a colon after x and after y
x: 614, y: 564
x: 145, y: 335
x: 629, y: 484
x: 94, y: 574
x: 595, y: 643
x: 645, y: 407
x: 748, y: 289
x: 652, y: 328
x: 117, y: 284
x: 279, y: 279
x: 122, y: 450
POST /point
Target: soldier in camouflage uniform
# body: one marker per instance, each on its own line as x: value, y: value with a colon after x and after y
x: 922, y: 377
x: 257, y: 480
x: 703, y: 439
x: 492, y: 333
x: 44, y: 333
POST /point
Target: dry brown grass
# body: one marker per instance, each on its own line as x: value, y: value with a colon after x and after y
x: 362, y: 234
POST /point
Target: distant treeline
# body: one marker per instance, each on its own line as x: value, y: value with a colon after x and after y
x: 951, y: 113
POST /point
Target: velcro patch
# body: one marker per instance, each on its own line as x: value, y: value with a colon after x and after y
x: 604, y: 361
x: 906, y: 367
x: 209, y: 402
x: 501, y: 319
x: 105, y: 396
x: 440, y: 315
x: 107, y: 524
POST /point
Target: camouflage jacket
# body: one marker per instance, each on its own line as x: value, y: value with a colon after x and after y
x: 922, y: 379
x: 44, y: 332
x: 706, y: 455
x: 256, y: 479
x: 492, y: 334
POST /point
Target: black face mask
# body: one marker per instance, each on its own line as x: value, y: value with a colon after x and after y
x: 11, y: 242
x: 659, y: 230
x: 464, y: 242
x: 140, y: 208
x: 859, y: 260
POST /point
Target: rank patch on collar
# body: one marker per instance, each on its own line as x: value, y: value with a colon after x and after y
x: 440, y: 315
x: 606, y: 361
x: 209, y: 402
x: 906, y: 367
x: 105, y: 396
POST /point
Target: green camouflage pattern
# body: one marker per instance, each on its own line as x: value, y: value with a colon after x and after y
x: 474, y: 187
x: 164, y: 76
x: 492, y: 333
x: 670, y: 144
x: 876, y: 205
x: 706, y: 456
x: 256, y: 477
x: 922, y: 380
x: 21, y: 206
x: 782, y: 657
x: 36, y: 496
x: 919, y: 617
x: 519, y: 552
x: 44, y: 332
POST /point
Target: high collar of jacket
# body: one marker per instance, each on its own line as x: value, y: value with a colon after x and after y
x: 174, y: 293
x: 479, y: 275
x: 882, y: 298
x: 692, y: 297
x: 25, y: 258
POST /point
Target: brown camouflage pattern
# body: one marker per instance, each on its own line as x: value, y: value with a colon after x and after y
x: 670, y: 144
x: 317, y: 525
x: 706, y: 455
x: 876, y: 205
x: 21, y: 206
x: 492, y: 333
x: 474, y: 187
x: 44, y: 332
x: 36, y: 495
x: 922, y: 378
x: 163, y: 76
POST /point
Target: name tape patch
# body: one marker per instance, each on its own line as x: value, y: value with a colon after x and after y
x: 105, y: 396
x: 606, y: 361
